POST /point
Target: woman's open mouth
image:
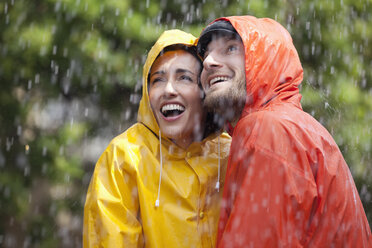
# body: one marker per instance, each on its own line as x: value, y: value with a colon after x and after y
x: 172, y: 110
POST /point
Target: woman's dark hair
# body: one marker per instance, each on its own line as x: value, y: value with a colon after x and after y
x: 190, y: 49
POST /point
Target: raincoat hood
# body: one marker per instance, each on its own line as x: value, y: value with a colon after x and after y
x: 168, y: 38
x: 287, y: 183
x: 272, y: 66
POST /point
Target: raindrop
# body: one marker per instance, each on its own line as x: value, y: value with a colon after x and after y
x: 66, y: 85
x: 19, y: 130
x: 43, y: 51
x: 54, y: 50
x: 65, y: 52
x: 67, y: 178
x: 2, y: 160
x: 44, y: 169
x: 29, y: 85
x: 86, y: 112
x: 6, y: 192
x: 312, y: 48
x: 57, y: 6
x: 134, y: 98
x: 127, y: 43
x: 61, y: 150
x: 364, y: 83
x: 26, y: 171
x: 54, y: 29
x: 127, y: 114
x: 117, y: 11
x: 147, y: 4
x: 44, y: 152
x: 37, y: 78
x: 27, y: 242
x: 53, y: 79
x: 9, y: 143
x: 6, y: 8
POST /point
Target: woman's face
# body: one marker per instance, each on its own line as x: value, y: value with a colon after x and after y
x: 175, y: 97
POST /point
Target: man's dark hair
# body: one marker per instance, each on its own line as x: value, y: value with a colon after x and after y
x: 214, y: 31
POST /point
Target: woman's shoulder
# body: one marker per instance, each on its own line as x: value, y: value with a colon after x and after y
x: 137, y: 134
x: 128, y: 145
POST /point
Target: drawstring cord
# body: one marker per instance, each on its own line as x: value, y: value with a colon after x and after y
x: 161, y: 168
x: 218, y: 177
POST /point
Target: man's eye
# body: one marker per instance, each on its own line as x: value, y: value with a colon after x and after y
x: 232, y: 48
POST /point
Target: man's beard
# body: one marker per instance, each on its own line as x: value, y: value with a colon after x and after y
x: 227, y: 105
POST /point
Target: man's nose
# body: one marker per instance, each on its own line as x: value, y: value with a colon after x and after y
x: 211, y: 61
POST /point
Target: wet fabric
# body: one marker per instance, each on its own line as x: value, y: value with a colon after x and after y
x: 287, y: 183
x: 120, y: 206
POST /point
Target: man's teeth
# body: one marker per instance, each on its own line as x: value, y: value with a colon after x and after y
x: 170, y: 107
x: 216, y: 79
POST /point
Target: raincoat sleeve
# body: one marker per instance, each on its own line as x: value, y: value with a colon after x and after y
x: 271, y: 198
x: 111, y: 208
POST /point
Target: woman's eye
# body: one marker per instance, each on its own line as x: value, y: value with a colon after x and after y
x: 185, y: 77
x: 155, y: 80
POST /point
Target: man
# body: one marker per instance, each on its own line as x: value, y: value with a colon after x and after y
x: 287, y: 184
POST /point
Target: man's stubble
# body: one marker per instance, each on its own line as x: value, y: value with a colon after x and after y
x: 229, y: 104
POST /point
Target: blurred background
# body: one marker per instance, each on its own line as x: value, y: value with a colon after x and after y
x: 70, y: 80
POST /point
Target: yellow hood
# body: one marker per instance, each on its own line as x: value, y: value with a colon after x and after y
x: 168, y: 38
x: 120, y: 208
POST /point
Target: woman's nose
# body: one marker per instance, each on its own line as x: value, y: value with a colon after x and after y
x: 170, y: 88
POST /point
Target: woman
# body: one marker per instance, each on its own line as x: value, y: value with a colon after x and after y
x: 157, y: 184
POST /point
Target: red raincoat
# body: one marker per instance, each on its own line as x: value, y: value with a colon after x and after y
x: 287, y: 183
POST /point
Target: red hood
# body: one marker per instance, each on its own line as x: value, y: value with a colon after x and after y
x: 273, y: 68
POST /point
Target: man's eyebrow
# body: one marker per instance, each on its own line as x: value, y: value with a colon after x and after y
x: 180, y: 70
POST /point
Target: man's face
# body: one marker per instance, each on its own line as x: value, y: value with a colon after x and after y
x: 223, y: 77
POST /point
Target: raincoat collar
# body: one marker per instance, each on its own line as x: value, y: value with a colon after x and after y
x: 272, y: 66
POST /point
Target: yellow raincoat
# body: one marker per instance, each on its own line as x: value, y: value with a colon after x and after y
x: 120, y: 208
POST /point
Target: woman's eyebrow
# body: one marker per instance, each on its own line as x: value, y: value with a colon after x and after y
x: 180, y: 70
x: 157, y: 73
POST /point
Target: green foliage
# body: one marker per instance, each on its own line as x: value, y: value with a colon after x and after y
x: 70, y: 74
